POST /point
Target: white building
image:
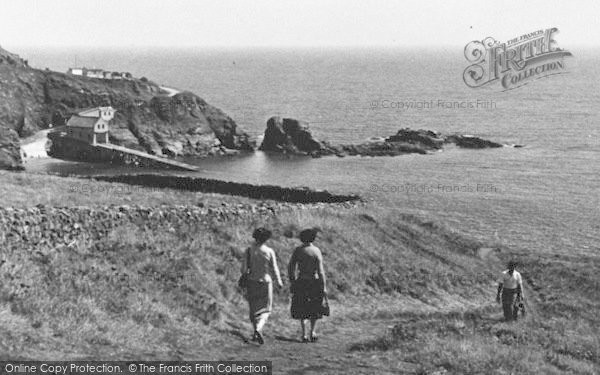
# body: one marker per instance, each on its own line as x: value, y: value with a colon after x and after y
x: 95, y: 73
x: 76, y: 71
x: 91, y: 125
x: 99, y: 73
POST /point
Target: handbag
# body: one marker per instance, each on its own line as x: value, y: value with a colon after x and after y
x: 522, y: 309
x: 325, y: 310
x: 243, y: 280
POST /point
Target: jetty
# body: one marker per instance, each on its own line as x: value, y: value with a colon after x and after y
x: 135, y: 157
x: 86, y: 138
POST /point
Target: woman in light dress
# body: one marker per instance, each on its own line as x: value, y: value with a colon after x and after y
x: 260, y: 263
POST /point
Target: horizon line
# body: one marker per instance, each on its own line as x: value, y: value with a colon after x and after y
x: 315, y: 46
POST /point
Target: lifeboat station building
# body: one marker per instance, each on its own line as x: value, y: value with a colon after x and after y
x: 91, y: 125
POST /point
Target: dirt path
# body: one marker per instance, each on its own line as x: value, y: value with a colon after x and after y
x: 170, y: 91
x: 330, y: 355
x: 333, y: 353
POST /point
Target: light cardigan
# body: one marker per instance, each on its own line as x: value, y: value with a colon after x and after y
x: 263, y: 264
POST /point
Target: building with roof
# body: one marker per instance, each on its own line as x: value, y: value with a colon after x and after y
x: 99, y: 73
x: 91, y: 125
x: 76, y: 71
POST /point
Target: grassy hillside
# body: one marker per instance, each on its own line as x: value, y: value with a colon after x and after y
x: 156, y: 279
x: 560, y: 334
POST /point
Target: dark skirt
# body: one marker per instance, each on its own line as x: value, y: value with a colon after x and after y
x: 509, y: 304
x: 307, y: 299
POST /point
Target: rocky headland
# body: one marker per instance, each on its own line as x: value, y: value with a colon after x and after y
x: 286, y: 135
x: 148, y: 118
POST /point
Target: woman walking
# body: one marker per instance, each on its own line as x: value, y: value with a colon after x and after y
x: 308, y: 283
x: 260, y: 265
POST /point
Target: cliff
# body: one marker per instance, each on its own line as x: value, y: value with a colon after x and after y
x: 147, y: 117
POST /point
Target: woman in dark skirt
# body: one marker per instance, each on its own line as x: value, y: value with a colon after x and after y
x: 308, y: 283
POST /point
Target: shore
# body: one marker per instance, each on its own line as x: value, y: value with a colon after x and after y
x: 35, y: 146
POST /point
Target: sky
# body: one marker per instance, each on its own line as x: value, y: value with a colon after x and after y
x: 284, y: 23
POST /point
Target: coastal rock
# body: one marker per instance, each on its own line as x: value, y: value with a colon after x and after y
x: 147, y: 118
x: 468, y: 141
x: 381, y: 149
x: 172, y: 148
x: 427, y: 138
x: 293, y: 136
x: 203, y: 143
x: 11, y: 58
x: 10, y: 155
x: 124, y: 137
x: 289, y: 136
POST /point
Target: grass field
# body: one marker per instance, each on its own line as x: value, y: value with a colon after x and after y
x: 157, y: 280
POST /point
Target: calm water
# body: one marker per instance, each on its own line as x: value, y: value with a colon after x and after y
x: 544, y: 197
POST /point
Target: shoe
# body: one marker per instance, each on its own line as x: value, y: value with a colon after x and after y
x: 259, y: 337
x: 314, y: 338
x: 305, y: 339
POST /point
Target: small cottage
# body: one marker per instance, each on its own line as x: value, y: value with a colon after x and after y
x: 76, y: 71
x: 91, y: 125
x: 99, y: 73
x: 95, y: 73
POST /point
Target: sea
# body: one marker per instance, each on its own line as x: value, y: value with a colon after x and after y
x: 543, y: 197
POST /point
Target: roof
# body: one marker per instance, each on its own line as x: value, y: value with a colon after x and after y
x: 93, y: 111
x: 79, y: 112
x: 82, y: 122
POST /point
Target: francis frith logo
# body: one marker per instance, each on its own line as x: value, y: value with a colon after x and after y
x: 516, y: 62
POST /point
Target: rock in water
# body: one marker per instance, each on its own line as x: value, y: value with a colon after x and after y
x: 468, y: 141
x: 426, y: 138
x: 289, y: 135
x: 275, y: 138
x: 300, y: 135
